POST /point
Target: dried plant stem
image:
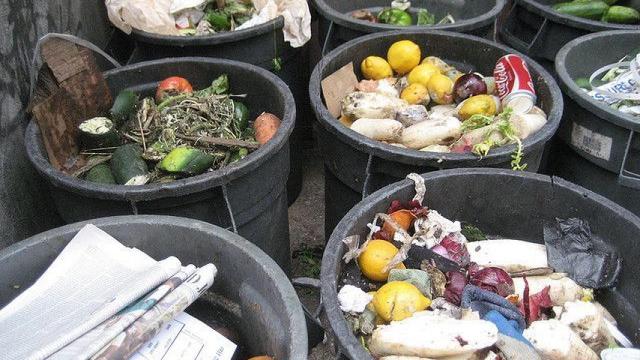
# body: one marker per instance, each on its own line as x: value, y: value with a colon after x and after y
x: 220, y: 141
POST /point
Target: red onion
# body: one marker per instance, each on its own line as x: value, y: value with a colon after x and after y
x: 468, y: 85
x: 491, y: 279
x: 457, y: 251
x: 455, y: 286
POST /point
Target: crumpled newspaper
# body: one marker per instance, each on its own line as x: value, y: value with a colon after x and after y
x: 159, y: 16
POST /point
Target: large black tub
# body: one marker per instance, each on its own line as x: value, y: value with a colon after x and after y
x: 501, y: 202
x: 355, y: 165
x: 536, y: 29
x: 601, y: 145
x: 270, y: 318
x: 258, y: 45
x: 248, y: 196
x: 337, y: 26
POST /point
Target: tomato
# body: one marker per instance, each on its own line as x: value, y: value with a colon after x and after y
x: 172, y: 86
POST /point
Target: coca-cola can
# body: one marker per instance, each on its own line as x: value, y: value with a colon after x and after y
x: 514, y: 83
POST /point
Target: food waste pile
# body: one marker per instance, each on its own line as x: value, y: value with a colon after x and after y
x: 176, y: 134
x: 426, y: 104
x: 400, y: 14
x: 421, y: 286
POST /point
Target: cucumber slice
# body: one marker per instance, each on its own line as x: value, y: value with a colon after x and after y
x: 97, y: 132
x: 123, y: 106
x: 128, y: 167
x: 100, y: 173
x: 186, y: 160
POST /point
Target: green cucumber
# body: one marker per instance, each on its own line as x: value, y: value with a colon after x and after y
x: 583, y: 83
x: 123, y: 106
x: 101, y: 174
x: 186, y: 160
x: 240, y: 115
x: 239, y: 155
x: 621, y: 15
x: 585, y: 9
x: 97, y: 133
x: 128, y: 167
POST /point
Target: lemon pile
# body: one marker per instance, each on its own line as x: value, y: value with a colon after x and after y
x: 396, y: 300
x: 429, y: 80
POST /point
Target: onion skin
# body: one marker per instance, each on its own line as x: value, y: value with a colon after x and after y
x: 468, y: 85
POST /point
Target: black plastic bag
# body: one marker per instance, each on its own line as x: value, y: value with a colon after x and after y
x: 573, y: 249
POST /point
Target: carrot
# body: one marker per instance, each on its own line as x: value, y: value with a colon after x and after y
x: 265, y: 126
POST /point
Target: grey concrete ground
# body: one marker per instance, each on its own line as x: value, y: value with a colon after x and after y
x: 306, y: 228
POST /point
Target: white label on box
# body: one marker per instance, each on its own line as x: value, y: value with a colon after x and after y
x: 591, y: 142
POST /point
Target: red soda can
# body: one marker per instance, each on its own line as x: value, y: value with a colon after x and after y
x: 514, y: 83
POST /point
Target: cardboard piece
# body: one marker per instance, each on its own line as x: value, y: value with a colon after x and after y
x: 338, y: 85
x: 69, y: 90
x: 57, y: 119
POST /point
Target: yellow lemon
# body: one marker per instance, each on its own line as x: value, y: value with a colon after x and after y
x: 375, y: 68
x: 375, y: 258
x: 440, y: 89
x: 479, y: 104
x: 422, y: 73
x: 415, y: 94
x: 398, y: 300
x: 403, y: 56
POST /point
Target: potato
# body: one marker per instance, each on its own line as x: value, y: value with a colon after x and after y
x: 378, y: 129
x: 266, y: 125
x: 440, y: 131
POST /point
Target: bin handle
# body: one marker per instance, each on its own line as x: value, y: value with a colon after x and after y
x: 628, y: 178
x: 367, y: 177
x: 225, y: 195
x: 326, y: 39
x: 524, y: 46
x: 35, y: 60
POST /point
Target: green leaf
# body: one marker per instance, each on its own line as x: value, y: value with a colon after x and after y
x: 472, y: 233
x: 277, y: 64
x: 475, y: 122
x: 220, y: 85
x: 425, y: 17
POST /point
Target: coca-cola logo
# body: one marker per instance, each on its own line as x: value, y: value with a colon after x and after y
x: 502, y: 78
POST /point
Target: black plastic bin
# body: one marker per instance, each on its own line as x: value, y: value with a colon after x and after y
x: 258, y: 45
x: 249, y: 196
x: 505, y: 203
x: 337, y: 26
x: 534, y: 28
x: 601, y: 145
x: 356, y: 165
x: 246, y: 276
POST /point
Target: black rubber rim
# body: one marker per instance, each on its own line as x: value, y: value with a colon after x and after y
x: 414, y: 157
x: 570, y: 20
x: 179, y: 187
x: 570, y: 87
x: 461, y: 26
x: 333, y: 252
x: 282, y: 285
x: 213, y: 39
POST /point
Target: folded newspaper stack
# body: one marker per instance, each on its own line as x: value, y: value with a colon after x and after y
x: 102, y: 300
